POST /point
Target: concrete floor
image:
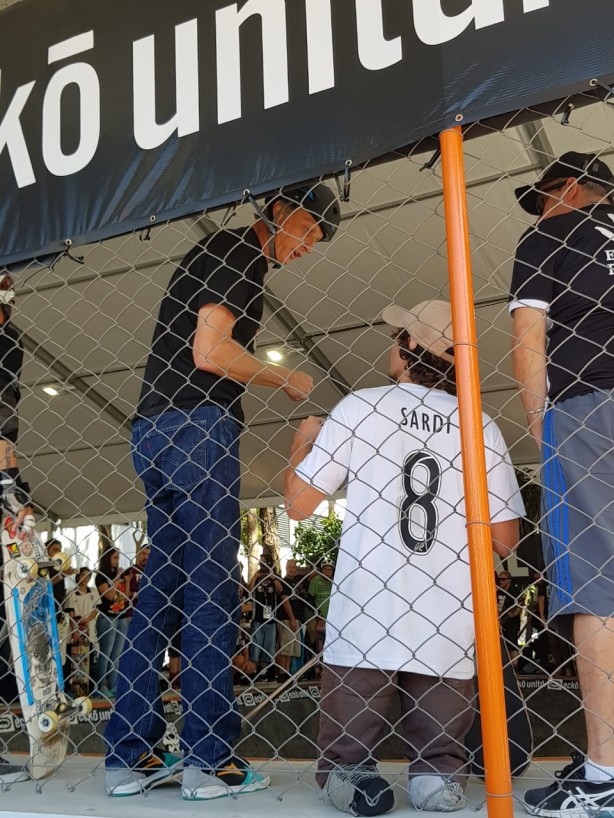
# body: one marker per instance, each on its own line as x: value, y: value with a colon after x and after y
x: 78, y: 791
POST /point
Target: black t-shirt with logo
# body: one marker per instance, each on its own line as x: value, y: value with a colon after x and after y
x: 264, y: 596
x: 294, y: 589
x: 565, y: 265
x: 226, y: 268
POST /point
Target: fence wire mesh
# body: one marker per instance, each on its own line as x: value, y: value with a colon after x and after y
x: 377, y: 574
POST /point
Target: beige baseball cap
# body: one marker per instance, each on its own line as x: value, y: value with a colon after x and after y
x: 428, y: 323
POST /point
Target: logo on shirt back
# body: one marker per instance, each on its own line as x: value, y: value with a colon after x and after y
x: 609, y: 254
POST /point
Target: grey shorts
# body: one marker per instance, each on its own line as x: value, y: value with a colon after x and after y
x: 578, y: 504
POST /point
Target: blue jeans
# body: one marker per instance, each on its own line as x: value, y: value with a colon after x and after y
x: 189, y: 464
x: 111, y: 632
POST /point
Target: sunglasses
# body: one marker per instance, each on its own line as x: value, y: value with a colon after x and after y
x: 541, y: 194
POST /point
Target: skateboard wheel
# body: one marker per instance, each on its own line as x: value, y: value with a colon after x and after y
x: 61, y: 561
x: 48, y: 722
x: 84, y: 705
x: 27, y: 569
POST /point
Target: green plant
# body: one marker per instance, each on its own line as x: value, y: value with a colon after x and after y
x: 319, y: 541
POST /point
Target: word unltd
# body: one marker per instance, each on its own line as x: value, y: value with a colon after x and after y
x: 376, y: 52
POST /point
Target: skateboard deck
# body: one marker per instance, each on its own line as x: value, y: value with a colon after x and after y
x: 35, y: 645
x: 520, y: 734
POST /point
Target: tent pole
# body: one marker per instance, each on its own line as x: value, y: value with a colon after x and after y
x: 490, y: 670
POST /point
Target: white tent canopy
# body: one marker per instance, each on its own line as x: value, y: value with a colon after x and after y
x: 87, y: 328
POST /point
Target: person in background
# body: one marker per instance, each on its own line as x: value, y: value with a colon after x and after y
x: 320, y: 588
x: 509, y: 615
x: 83, y: 604
x: 133, y: 576
x: 289, y: 640
x: 111, y: 625
x: 266, y: 592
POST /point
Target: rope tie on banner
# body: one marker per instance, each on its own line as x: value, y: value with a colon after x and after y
x: 567, y: 114
x: 430, y: 163
x: 344, y: 190
x: 67, y: 254
x: 594, y: 83
x: 231, y: 211
x: 271, y: 225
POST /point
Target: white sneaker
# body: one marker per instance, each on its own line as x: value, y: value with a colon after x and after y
x: 234, y: 777
x: 434, y: 793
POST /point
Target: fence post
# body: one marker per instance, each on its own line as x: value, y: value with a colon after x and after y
x: 490, y: 670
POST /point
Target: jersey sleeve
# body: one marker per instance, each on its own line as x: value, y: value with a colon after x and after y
x: 504, y: 496
x: 222, y: 266
x: 534, y: 274
x: 326, y: 466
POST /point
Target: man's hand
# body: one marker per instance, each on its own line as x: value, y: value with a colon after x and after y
x: 298, y: 385
x: 309, y: 428
x: 25, y: 519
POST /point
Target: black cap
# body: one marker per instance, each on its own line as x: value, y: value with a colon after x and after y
x: 318, y: 200
x: 586, y: 167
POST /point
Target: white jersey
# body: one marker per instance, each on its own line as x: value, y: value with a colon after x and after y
x: 401, y: 595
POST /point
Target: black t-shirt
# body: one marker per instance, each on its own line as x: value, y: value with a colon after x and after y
x: 565, y: 265
x: 265, y: 599
x: 117, y: 606
x: 11, y: 362
x: 226, y: 268
x: 294, y: 590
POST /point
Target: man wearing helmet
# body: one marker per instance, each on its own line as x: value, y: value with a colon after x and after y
x: 186, y: 451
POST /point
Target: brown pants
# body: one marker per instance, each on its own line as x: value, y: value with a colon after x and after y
x: 357, y: 714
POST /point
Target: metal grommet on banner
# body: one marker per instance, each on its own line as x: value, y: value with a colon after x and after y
x: 459, y: 117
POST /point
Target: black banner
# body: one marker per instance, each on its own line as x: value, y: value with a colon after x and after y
x: 117, y: 115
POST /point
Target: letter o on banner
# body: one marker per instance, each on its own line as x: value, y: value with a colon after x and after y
x: 86, y: 79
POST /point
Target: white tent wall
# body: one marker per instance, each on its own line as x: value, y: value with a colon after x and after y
x: 87, y: 327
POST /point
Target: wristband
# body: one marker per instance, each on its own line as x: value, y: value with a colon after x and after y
x: 535, y: 411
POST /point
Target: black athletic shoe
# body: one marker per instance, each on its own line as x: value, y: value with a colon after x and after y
x: 359, y: 790
x: 572, y: 796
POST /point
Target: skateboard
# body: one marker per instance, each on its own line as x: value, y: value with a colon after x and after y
x: 35, y: 644
x: 520, y: 734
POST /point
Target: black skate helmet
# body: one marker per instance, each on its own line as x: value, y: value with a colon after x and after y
x: 317, y: 199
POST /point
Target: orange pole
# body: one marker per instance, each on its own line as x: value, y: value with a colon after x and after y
x: 488, y: 649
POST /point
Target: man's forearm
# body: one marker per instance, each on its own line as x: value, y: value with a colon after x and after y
x: 529, y: 363
x: 228, y: 359
x: 8, y: 455
x: 530, y: 372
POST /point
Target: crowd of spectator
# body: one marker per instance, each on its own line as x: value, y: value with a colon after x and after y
x: 533, y: 647
x: 282, y: 622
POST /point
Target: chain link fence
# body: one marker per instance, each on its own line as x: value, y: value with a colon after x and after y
x: 209, y: 641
